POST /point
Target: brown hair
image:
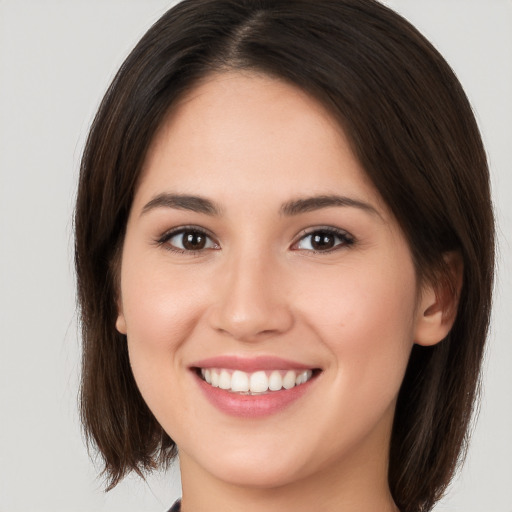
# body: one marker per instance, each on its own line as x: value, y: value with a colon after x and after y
x: 412, y: 128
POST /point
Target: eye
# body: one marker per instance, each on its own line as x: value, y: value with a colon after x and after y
x: 324, y: 240
x: 188, y: 240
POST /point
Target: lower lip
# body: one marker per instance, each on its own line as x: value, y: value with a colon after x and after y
x: 253, y: 406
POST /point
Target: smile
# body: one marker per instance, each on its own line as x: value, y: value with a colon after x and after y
x: 254, y: 387
x: 254, y: 383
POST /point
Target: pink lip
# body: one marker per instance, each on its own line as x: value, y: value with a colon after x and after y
x: 251, y: 406
x: 250, y: 364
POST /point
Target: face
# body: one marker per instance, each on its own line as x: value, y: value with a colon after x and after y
x: 269, y: 297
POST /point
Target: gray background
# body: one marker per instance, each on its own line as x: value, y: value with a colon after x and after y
x: 56, y: 59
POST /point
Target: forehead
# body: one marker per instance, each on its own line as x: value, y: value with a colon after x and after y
x: 248, y: 129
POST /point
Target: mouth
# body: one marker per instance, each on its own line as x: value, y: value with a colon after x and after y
x: 256, y: 383
x: 253, y: 387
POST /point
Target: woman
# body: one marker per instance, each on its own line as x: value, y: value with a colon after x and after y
x: 284, y: 250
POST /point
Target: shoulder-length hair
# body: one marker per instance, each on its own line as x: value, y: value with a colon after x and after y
x: 411, y: 127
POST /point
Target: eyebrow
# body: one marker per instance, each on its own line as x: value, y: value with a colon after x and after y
x: 309, y: 204
x: 182, y: 202
x: 290, y: 208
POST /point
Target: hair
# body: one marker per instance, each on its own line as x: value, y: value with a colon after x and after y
x: 410, y: 125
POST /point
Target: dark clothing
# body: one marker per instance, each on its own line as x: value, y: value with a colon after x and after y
x: 176, y: 507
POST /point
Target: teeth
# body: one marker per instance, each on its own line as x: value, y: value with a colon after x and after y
x: 301, y: 378
x: 239, y: 381
x: 225, y: 380
x: 256, y: 382
x: 289, y: 380
x: 275, y: 381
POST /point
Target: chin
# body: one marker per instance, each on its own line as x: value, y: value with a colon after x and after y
x: 258, y: 468
x: 258, y: 475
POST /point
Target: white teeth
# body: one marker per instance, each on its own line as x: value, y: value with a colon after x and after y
x: 275, y: 381
x: 258, y: 382
x: 239, y: 381
x: 225, y: 380
x: 303, y: 377
x: 289, y: 380
x: 254, y: 383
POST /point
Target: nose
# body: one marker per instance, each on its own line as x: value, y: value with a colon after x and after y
x: 251, y: 301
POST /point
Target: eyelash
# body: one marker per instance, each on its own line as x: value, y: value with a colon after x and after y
x: 168, y: 235
x: 346, y: 240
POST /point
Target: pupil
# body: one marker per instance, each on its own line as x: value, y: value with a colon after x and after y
x: 323, y: 241
x: 194, y: 241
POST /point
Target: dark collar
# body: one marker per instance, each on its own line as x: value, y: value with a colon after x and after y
x: 176, y: 507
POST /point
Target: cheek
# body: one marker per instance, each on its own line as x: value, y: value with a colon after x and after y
x: 161, y: 309
x: 160, y: 305
x: 351, y: 299
x: 366, y: 323
x: 365, y: 317
x: 161, y: 313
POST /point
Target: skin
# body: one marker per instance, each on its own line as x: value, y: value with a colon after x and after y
x: 250, y: 143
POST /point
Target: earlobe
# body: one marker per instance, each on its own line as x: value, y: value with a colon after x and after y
x: 438, y: 305
x: 121, y: 324
x: 120, y: 320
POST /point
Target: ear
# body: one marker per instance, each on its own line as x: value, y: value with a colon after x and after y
x: 115, y: 271
x: 438, y: 304
x: 120, y: 321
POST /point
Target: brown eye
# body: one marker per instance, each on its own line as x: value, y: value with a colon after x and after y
x: 188, y: 240
x: 321, y: 241
x: 193, y: 241
x: 324, y: 240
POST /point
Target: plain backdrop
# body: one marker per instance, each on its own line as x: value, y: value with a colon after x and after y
x: 56, y: 60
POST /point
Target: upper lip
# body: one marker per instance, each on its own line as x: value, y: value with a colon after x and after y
x: 250, y: 364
